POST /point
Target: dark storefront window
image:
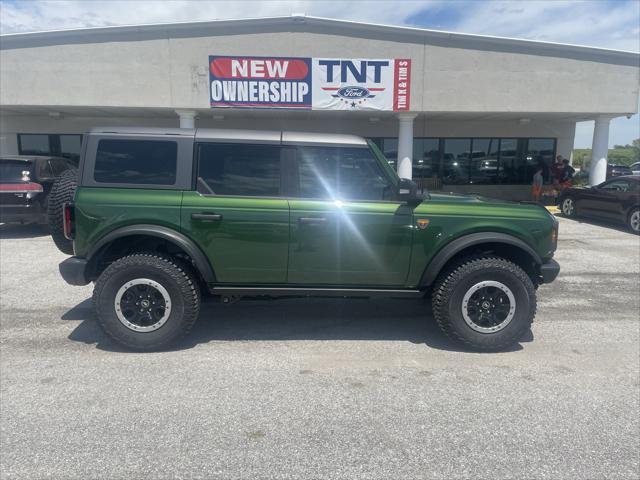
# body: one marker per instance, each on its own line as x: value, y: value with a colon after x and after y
x: 455, y: 161
x: 426, y: 158
x: 484, y: 161
x: 540, y: 151
x: 510, y: 162
x: 65, y: 145
x: 474, y: 161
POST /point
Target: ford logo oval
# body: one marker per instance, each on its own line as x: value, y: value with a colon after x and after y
x: 353, y: 92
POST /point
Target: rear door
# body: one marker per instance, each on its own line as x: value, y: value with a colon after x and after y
x: 237, y: 213
x: 346, y: 227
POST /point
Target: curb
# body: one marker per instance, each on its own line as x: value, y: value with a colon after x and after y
x: 553, y: 209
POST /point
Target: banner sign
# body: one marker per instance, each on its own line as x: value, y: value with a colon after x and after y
x: 310, y: 83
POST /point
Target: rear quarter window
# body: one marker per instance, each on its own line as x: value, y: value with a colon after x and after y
x: 141, y: 162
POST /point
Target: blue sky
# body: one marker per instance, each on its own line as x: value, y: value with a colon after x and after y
x: 600, y: 23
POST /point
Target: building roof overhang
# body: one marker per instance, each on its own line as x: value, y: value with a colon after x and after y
x: 308, y: 24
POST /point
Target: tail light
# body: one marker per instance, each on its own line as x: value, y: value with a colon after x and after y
x: 68, y: 221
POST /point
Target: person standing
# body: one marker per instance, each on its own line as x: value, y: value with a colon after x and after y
x: 556, y: 170
x: 536, y: 187
x: 566, y: 174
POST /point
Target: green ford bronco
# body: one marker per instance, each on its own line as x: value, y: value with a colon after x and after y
x: 162, y: 216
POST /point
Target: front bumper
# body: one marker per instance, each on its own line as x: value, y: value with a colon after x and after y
x: 549, y: 271
x: 73, y: 271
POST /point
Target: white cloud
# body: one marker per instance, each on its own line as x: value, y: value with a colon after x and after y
x: 54, y: 15
x: 608, y: 24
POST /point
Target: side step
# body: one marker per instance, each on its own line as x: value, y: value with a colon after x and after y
x: 315, y: 292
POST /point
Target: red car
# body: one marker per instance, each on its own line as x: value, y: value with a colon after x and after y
x: 617, y: 200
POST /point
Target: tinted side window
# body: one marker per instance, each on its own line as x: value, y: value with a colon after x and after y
x: 341, y: 173
x: 239, y: 169
x: 147, y: 162
x: 616, y: 186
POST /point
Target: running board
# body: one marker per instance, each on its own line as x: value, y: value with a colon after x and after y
x: 316, y: 292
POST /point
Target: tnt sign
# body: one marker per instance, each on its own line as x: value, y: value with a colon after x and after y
x: 310, y: 83
x: 359, y: 84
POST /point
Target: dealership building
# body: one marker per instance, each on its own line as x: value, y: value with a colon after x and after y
x: 456, y: 112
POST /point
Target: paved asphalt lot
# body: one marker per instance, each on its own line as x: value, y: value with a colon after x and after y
x: 308, y: 388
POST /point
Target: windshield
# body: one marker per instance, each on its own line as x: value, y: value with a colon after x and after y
x: 393, y: 176
x: 11, y: 171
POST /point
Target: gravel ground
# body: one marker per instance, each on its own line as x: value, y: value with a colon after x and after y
x: 321, y: 388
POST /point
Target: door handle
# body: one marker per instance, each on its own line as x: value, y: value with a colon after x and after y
x: 207, y: 217
x: 312, y: 220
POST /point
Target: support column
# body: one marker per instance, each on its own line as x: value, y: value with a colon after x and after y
x: 599, y: 151
x: 187, y: 118
x: 405, y: 144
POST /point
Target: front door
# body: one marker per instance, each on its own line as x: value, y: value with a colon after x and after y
x: 606, y: 199
x: 237, y: 215
x: 346, y: 227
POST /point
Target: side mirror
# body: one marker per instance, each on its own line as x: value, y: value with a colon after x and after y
x: 408, y: 191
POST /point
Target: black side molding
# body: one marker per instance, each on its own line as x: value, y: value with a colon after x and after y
x: 199, y: 258
x: 459, y: 244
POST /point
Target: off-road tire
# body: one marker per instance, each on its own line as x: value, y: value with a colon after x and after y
x: 568, y: 207
x: 458, y: 279
x: 176, y: 277
x: 62, y: 191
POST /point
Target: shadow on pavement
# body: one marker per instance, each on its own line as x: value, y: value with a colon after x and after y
x: 15, y: 231
x: 295, y: 319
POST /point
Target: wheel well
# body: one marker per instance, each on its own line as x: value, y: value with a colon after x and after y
x: 129, y: 244
x: 509, y: 252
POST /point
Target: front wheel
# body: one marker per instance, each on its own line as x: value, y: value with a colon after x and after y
x: 485, y: 303
x: 146, y: 301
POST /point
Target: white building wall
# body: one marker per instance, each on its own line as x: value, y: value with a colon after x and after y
x: 173, y: 72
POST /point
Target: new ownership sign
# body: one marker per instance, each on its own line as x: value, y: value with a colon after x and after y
x: 310, y: 83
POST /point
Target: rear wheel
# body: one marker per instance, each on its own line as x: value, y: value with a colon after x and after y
x: 485, y: 303
x: 62, y: 191
x: 634, y: 220
x: 146, y: 301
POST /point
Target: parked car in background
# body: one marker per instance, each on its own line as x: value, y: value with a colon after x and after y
x: 635, y: 168
x: 25, y: 183
x: 618, y: 170
x: 616, y: 200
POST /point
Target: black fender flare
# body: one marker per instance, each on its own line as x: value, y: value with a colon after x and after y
x: 178, y: 239
x: 447, y: 252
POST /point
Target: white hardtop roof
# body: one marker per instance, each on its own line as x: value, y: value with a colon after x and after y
x: 237, y: 135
